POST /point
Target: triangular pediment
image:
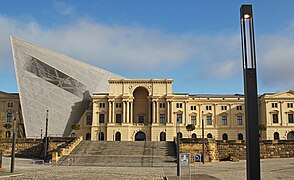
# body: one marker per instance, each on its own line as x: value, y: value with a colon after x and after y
x: 284, y: 94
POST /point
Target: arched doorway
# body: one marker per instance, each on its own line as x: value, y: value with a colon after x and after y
x: 194, y: 136
x: 240, y: 136
x: 117, y: 136
x: 140, y: 106
x: 209, y: 135
x: 101, y: 136
x: 276, y: 136
x: 225, y: 136
x: 140, y: 136
x: 290, y: 135
x: 162, y: 136
x: 88, y: 136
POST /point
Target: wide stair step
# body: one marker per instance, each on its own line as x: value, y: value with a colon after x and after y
x: 122, y: 153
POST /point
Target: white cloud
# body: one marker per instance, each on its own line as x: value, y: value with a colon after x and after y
x: 141, y: 49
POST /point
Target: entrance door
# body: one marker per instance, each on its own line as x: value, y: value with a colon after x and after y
x: 117, y: 136
x: 140, y: 136
x: 290, y: 135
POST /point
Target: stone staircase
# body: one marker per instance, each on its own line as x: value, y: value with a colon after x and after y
x: 122, y: 154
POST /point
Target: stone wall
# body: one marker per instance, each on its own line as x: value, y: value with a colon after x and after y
x: 33, y: 148
x: 235, y: 150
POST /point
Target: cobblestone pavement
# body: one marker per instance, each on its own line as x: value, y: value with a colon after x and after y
x: 25, y: 169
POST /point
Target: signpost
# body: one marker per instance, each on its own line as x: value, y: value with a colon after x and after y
x: 185, y: 162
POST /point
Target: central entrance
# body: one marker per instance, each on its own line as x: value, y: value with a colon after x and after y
x: 140, y: 136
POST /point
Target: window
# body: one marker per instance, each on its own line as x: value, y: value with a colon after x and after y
x: 118, y: 105
x: 239, y: 120
x: 193, y: 108
x: 117, y: 118
x: 9, y: 117
x: 141, y: 119
x: 224, y: 107
x: 208, y: 108
x: 193, y: 120
x: 179, y: 118
x: 274, y: 105
x: 240, y: 136
x: 162, y: 118
x: 290, y: 105
x: 225, y: 136
x: 102, y: 105
x: 179, y: 105
x: 101, y: 118
x: 10, y: 104
x: 224, y: 120
x: 276, y: 136
x: 209, y: 135
x: 101, y: 136
x: 89, y: 120
x: 162, y: 105
x: 239, y: 108
x: 208, y: 120
x: 275, y: 118
x: 194, y: 136
x: 290, y: 118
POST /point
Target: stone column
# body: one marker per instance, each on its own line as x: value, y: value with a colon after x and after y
x: 149, y: 112
x: 215, y: 116
x: 281, y: 112
x: 113, y: 110
x: 157, y: 112
x: 171, y: 112
x: 109, y: 112
x: 153, y: 112
x: 167, y: 112
x: 128, y: 111
x: 131, y: 111
x: 186, y: 120
x: 124, y: 112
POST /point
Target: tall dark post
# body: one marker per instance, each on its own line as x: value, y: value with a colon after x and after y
x: 13, y: 146
x: 250, y: 91
x: 178, y: 149
x: 0, y: 158
x: 46, y: 138
x: 202, y: 139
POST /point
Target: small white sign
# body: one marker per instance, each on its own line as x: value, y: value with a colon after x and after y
x: 184, y: 159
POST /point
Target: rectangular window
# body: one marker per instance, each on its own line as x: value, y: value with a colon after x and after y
x: 102, y: 105
x: 10, y: 104
x: 162, y: 118
x: 141, y: 119
x: 224, y: 120
x: 224, y: 107
x: 9, y: 117
x: 193, y: 120
x: 239, y: 108
x: 274, y: 105
x: 89, y: 120
x: 179, y: 105
x: 162, y: 105
x: 117, y: 118
x: 179, y: 118
x: 208, y: 108
x: 118, y: 105
x: 275, y: 118
x: 290, y: 118
x: 101, y: 118
x: 208, y: 120
x: 193, y: 108
x: 239, y: 120
x: 290, y: 105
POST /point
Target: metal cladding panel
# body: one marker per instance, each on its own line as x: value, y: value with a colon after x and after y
x: 51, y: 81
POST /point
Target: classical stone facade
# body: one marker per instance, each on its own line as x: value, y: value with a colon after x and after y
x: 276, y: 113
x: 137, y: 109
x: 9, y: 110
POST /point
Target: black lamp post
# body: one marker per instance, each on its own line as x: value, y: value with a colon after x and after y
x: 13, y: 146
x: 202, y: 122
x: 250, y: 91
x: 46, y: 138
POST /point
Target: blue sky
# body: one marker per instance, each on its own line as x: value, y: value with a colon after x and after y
x: 196, y: 43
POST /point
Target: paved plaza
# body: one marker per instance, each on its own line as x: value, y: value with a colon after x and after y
x: 25, y: 169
